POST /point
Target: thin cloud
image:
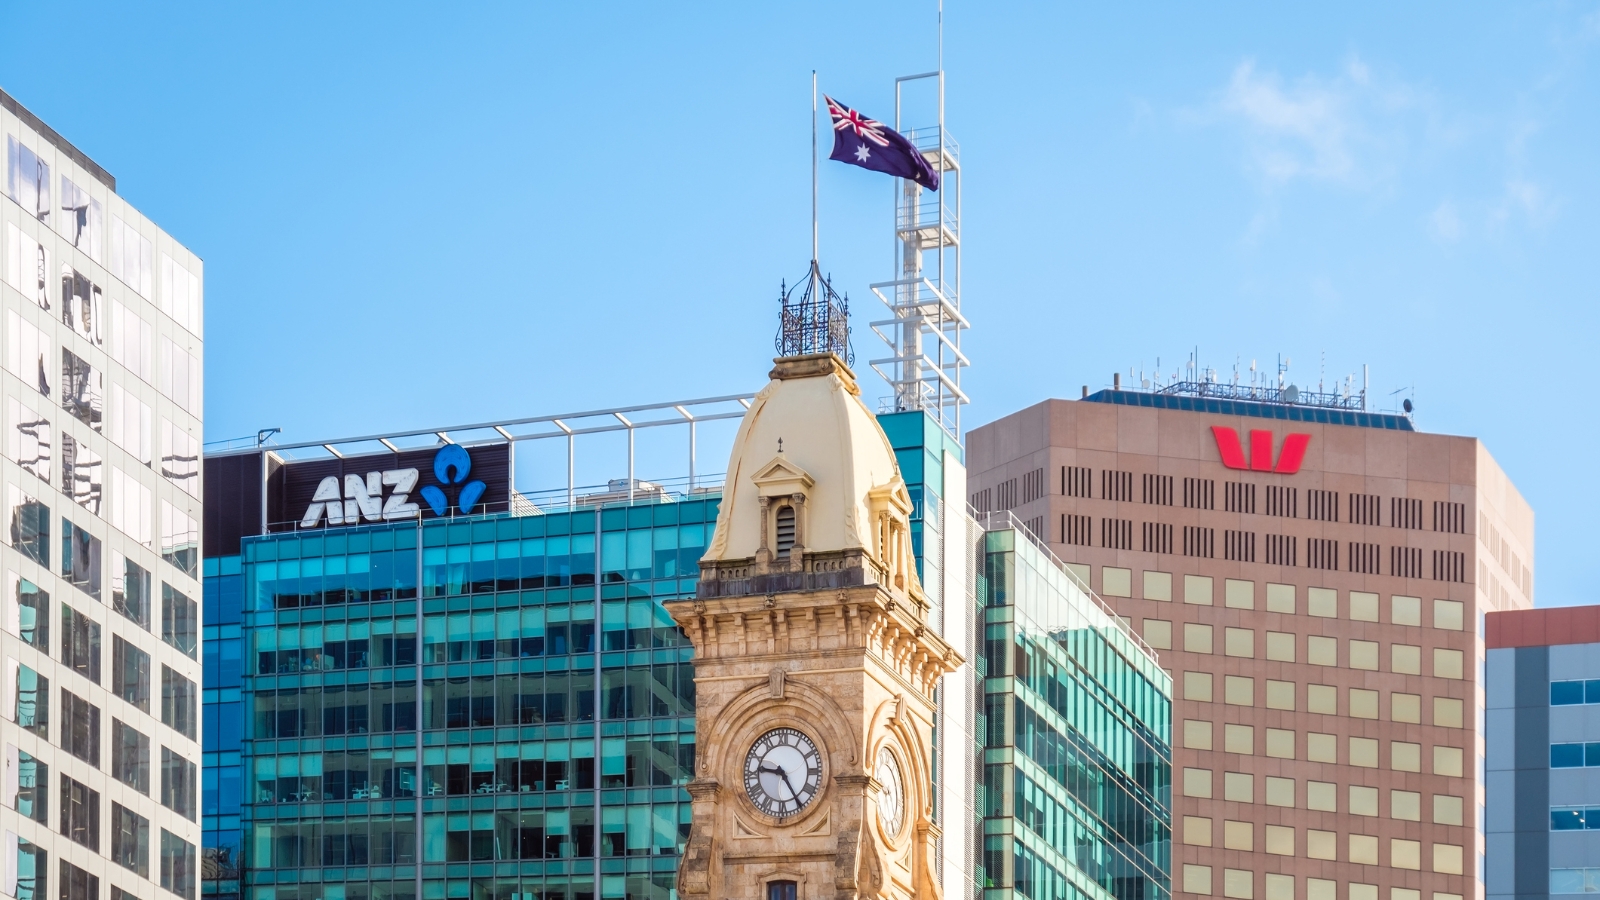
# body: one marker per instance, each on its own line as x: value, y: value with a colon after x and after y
x: 1445, y: 223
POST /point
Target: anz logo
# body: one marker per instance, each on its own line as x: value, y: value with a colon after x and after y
x: 361, y: 499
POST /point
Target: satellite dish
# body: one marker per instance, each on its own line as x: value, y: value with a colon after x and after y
x: 1291, y: 394
x: 1407, y: 406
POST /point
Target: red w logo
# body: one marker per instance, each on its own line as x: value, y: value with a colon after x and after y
x: 1289, y: 459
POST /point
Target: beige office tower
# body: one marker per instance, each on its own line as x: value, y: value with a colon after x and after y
x: 100, y: 489
x: 1314, y: 577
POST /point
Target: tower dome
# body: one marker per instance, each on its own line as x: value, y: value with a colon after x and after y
x: 814, y: 496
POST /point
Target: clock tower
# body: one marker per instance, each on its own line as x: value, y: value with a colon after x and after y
x: 815, y: 667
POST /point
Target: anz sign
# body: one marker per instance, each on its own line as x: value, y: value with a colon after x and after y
x: 346, y: 492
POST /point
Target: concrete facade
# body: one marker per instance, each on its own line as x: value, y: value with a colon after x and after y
x: 1320, y: 624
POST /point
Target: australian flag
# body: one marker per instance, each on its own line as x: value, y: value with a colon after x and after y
x: 860, y: 141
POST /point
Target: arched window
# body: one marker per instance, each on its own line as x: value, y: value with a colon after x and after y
x: 785, y: 530
x: 781, y: 890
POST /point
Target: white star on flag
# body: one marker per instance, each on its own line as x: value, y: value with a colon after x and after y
x: 862, y: 153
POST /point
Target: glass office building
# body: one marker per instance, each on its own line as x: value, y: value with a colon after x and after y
x: 1077, y: 717
x: 485, y: 707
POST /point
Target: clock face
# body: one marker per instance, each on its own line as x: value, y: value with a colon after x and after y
x: 892, y: 797
x: 782, y: 772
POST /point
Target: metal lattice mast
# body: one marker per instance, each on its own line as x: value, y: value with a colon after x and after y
x: 924, y: 333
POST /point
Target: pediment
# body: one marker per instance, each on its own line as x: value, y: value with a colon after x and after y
x: 781, y: 476
x: 893, y: 495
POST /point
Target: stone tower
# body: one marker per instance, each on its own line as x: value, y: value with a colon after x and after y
x: 814, y: 666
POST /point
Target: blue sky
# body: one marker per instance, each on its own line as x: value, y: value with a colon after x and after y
x: 412, y: 216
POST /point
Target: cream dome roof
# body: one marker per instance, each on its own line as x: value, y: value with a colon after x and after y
x: 830, y: 440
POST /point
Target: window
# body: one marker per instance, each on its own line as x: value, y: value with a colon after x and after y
x: 1450, y: 565
x: 1076, y: 530
x: 1322, y: 698
x: 1405, y: 708
x: 1197, y: 685
x: 32, y: 871
x: 130, y: 840
x: 177, y: 865
x: 80, y: 558
x: 1075, y: 481
x: 1239, y: 593
x: 83, y: 390
x: 131, y: 512
x: 76, y: 884
x: 1239, y: 497
x: 128, y: 423
x: 1447, y: 663
x: 180, y: 294
x: 1283, y: 502
x: 131, y: 342
x: 29, y: 270
x: 1197, y: 783
x: 80, y: 306
x: 1364, y: 655
x: 130, y: 757
x: 1280, y: 695
x: 80, y: 728
x: 1574, y: 755
x: 31, y: 708
x: 1447, y: 761
x: 180, y: 538
x: 82, y: 478
x: 178, y: 777
x: 130, y: 590
x: 1199, y: 541
x: 180, y: 620
x: 1005, y: 494
x: 1238, y: 787
x: 30, y: 526
x: 1197, y: 831
x: 1239, y: 642
x: 1363, y: 704
x: 1364, y: 752
x: 1322, y: 553
x: 781, y: 890
x: 33, y: 787
x: 1322, y: 505
x: 1322, y: 651
x: 1364, y: 509
x: 1239, y: 690
x: 28, y: 354
x: 130, y: 673
x: 1117, y: 534
x: 1239, y: 738
x: 177, y: 703
x: 1450, y: 517
x: 1116, y: 485
x: 27, y: 180
x: 1196, y: 638
x: 981, y: 501
x: 1364, y: 558
x: 80, y: 813
x: 80, y: 643
x: 180, y: 463
x: 1196, y: 734
x: 29, y: 440
x: 30, y: 617
x: 1281, y: 550
x: 132, y: 259
x: 1405, y: 610
x: 1239, y: 545
x: 1157, y: 538
x: 82, y: 220
x: 1448, y: 615
x: 1158, y: 633
x: 1280, y: 646
x: 1156, y: 489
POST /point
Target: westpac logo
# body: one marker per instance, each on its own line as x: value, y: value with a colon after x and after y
x: 361, y: 499
x: 1289, y: 458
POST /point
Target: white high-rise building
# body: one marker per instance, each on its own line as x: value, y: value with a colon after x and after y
x: 100, y: 489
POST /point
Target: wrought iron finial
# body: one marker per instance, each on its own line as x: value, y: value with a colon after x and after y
x: 817, y: 321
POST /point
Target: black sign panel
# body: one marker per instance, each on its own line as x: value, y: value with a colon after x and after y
x: 386, y: 487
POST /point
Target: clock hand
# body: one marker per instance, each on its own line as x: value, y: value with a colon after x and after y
x: 778, y: 770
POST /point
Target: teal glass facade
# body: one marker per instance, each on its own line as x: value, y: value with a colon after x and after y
x: 1077, y: 731
x: 484, y: 707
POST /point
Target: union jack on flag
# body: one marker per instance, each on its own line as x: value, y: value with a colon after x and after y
x: 870, y: 144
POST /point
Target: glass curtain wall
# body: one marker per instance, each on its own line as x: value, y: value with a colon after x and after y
x: 486, y: 708
x: 1076, y: 792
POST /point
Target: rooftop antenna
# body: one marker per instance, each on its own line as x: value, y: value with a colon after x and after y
x: 926, y: 324
x: 814, y: 256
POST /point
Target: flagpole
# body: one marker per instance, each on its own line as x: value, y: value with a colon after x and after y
x: 813, y: 166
